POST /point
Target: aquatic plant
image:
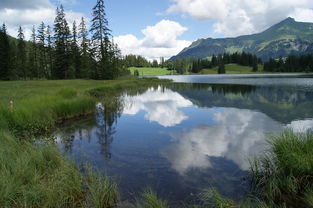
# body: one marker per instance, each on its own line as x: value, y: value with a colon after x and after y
x: 149, y: 199
x: 283, y: 176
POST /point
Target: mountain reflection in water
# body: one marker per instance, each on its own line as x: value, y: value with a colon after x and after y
x: 184, y: 138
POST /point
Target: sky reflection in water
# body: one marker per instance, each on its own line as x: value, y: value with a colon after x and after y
x: 180, y: 141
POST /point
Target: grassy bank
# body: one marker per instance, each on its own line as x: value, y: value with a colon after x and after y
x: 38, y: 175
x: 233, y: 69
x: 150, y: 71
x: 281, y: 177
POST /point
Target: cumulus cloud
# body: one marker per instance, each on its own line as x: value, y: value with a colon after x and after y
x: 31, y: 12
x: 161, y: 106
x: 240, y: 17
x: 301, y: 125
x: 159, y: 40
x: 22, y: 4
x: 237, y: 135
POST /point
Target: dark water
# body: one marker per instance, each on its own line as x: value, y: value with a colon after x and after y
x: 187, y: 137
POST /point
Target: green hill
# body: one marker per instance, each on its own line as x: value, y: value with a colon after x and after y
x: 280, y: 40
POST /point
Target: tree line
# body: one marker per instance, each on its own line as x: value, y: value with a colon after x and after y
x: 194, y: 65
x: 140, y: 61
x: 302, y: 63
x: 62, y: 51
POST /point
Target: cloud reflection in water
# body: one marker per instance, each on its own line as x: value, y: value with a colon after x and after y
x: 161, y: 106
x: 236, y: 136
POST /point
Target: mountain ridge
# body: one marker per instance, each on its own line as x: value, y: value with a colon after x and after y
x: 280, y: 40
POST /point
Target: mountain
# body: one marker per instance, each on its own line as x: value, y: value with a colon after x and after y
x: 280, y: 40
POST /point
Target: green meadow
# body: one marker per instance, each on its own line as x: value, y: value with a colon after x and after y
x: 150, y: 71
x: 234, y: 69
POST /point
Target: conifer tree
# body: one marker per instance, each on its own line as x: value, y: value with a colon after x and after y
x: 221, y: 68
x: 61, y: 36
x: 101, y: 42
x: 32, y: 60
x: 76, y: 59
x: 49, y: 52
x: 42, y: 61
x: 4, y: 54
x: 21, y: 54
x: 84, y: 48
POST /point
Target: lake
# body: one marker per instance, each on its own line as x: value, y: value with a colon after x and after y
x: 196, y: 133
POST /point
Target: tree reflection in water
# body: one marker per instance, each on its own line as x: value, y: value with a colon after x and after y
x: 107, y: 114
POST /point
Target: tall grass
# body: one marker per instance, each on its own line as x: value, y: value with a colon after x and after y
x: 102, y: 190
x: 284, y: 175
x: 149, y: 199
x: 281, y: 177
x: 35, y: 176
x: 39, y: 114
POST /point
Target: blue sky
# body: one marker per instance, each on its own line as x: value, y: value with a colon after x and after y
x: 161, y: 28
x: 127, y: 17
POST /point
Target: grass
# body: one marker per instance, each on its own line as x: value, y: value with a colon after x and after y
x: 233, y: 69
x: 284, y: 175
x: 35, y: 174
x: 150, y: 71
x: 281, y: 177
x: 150, y: 200
x: 39, y: 176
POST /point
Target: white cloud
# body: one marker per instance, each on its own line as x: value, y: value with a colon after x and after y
x: 303, y: 15
x: 237, y: 135
x: 161, y: 106
x: 240, y: 17
x: 29, y: 13
x: 22, y: 4
x: 301, y: 125
x: 159, y: 40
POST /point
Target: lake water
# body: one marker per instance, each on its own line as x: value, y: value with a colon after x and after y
x: 196, y: 133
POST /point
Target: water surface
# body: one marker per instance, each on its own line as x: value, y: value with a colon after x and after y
x: 183, y: 138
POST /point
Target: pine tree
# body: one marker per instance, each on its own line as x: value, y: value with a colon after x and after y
x: 49, y: 52
x: 21, y: 54
x: 76, y: 59
x: 42, y: 61
x: 255, y: 64
x: 84, y: 48
x: 32, y: 60
x: 61, y: 36
x: 4, y: 54
x: 101, y: 42
x: 221, y: 68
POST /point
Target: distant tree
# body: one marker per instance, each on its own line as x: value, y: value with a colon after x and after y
x: 84, y: 49
x: 169, y: 65
x: 32, y: 60
x: 255, y: 64
x: 196, y: 65
x: 136, y: 73
x: 162, y: 61
x: 49, y: 53
x: 184, y: 66
x: 4, y: 54
x: 21, y: 54
x: 214, y: 61
x: 61, y: 36
x: 155, y: 63
x: 221, y: 68
x: 178, y: 66
x: 75, y: 54
x: 42, y: 60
